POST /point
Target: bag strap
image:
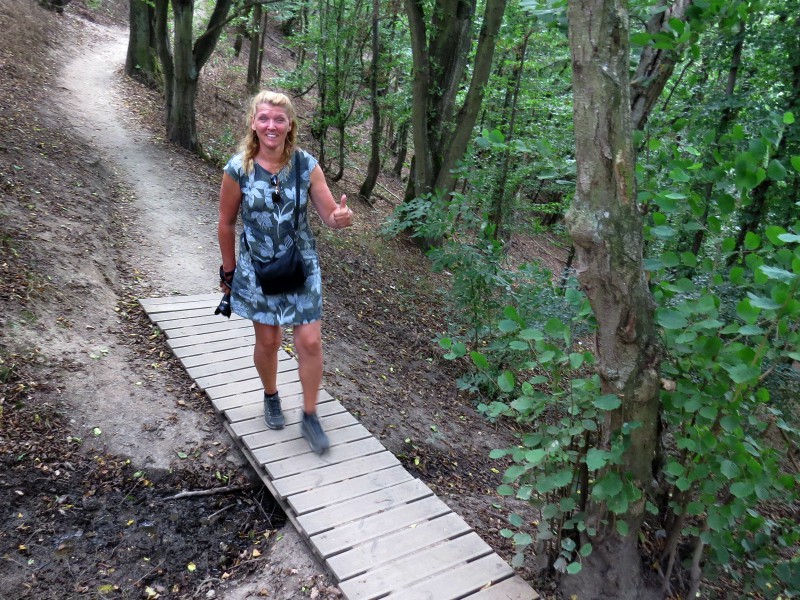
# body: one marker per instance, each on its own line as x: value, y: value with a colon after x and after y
x: 296, y: 192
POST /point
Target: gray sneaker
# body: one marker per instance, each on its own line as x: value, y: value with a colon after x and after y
x: 311, y: 429
x: 273, y: 415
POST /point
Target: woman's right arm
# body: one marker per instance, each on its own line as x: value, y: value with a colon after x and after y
x: 230, y: 197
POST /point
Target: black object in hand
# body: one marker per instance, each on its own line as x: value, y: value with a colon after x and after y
x: 224, y: 307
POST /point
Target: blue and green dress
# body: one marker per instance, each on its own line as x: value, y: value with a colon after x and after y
x: 266, y: 232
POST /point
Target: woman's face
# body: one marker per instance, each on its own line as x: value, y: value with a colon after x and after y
x: 271, y: 124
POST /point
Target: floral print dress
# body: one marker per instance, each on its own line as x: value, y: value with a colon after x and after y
x: 266, y: 233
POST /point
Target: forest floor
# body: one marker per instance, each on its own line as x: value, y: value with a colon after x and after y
x: 100, y: 427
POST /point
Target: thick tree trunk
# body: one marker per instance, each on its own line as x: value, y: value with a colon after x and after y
x: 605, y: 224
x: 140, y: 60
x: 181, y: 127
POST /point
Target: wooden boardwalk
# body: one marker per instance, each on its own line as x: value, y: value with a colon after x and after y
x: 381, y: 532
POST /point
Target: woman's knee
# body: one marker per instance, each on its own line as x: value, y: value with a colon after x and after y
x: 268, y: 338
x: 308, y: 341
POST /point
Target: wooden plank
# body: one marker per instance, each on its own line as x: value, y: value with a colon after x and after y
x: 430, y: 561
x: 216, y: 336
x: 237, y: 388
x: 206, y: 328
x: 256, y: 425
x: 236, y: 363
x: 515, y: 588
x: 269, y: 437
x: 210, y: 304
x: 346, y: 489
x: 288, y: 443
x: 363, y: 506
x: 219, y: 356
x: 223, y: 345
x: 303, y: 459
x: 194, y: 318
x: 372, y: 527
x: 163, y: 317
x: 347, y: 470
x: 208, y: 297
x: 251, y: 405
x: 458, y: 582
x: 396, y: 545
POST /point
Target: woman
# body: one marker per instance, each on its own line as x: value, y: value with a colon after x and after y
x: 259, y: 183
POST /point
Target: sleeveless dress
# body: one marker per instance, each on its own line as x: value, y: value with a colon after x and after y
x: 266, y: 229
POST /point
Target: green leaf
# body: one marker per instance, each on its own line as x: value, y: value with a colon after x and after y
x: 778, y: 274
x: 498, y: 453
x: 519, y: 345
x: 729, y: 469
x: 479, y: 360
x: 506, y: 381
x: 622, y: 528
x: 507, y: 326
x: 670, y: 319
x: 575, y: 359
x: 596, y: 459
x: 574, y: 568
x: 752, y: 240
x: 776, y: 171
x: 607, y: 402
x: 585, y: 550
x: 796, y: 163
x: 742, y: 489
x: 788, y: 118
x: 534, y: 457
x: 505, y: 490
x: 742, y: 373
x: 665, y: 232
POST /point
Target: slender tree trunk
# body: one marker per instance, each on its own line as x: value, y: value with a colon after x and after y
x: 728, y: 114
x: 500, y: 203
x: 375, y: 138
x: 754, y: 213
x: 253, y: 58
x: 655, y: 65
x: 605, y: 224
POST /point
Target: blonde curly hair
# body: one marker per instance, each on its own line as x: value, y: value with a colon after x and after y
x: 249, y: 144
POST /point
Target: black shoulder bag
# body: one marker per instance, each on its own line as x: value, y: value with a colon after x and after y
x: 287, y: 273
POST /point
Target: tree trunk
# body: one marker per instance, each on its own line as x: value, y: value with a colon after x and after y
x: 182, y: 66
x: 605, y: 224
x: 181, y: 127
x: 655, y: 64
x: 253, y: 58
x: 375, y: 138
x: 439, y: 55
x: 500, y: 204
x: 140, y: 61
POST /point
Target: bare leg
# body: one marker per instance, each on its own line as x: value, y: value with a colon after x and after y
x: 308, y: 343
x: 265, y: 355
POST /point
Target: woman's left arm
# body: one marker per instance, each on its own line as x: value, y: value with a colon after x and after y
x: 336, y: 216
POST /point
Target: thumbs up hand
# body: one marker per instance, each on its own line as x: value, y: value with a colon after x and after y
x: 342, y: 216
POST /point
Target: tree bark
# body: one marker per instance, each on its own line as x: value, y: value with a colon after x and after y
x: 605, y: 224
x: 439, y: 57
x: 374, y: 166
x: 655, y: 65
x: 254, y: 56
x: 140, y: 61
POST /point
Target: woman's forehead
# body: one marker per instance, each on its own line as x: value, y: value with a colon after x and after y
x: 271, y: 110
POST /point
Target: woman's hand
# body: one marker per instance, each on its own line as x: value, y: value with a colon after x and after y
x: 343, y: 216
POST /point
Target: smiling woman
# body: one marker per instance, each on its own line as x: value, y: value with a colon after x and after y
x: 270, y: 183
